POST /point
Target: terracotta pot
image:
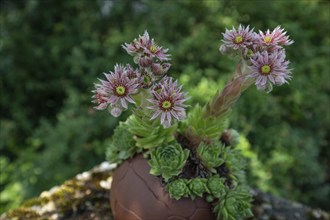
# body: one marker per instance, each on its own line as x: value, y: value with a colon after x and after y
x: 138, y: 195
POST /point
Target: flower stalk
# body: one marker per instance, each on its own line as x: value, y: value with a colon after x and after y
x: 221, y: 103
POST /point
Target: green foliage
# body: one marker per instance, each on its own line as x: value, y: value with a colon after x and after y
x: 209, y: 154
x: 178, y: 188
x: 235, y: 162
x: 204, y: 127
x: 216, y: 186
x: 235, y: 205
x: 149, y: 134
x: 8, y: 195
x: 168, y: 160
x: 255, y: 169
x: 72, y: 144
x: 122, y: 146
x: 197, y: 187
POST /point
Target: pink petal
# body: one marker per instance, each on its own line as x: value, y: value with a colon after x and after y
x: 155, y: 115
x: 123, y: 102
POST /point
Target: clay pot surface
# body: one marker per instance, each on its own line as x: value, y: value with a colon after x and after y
x: 138, y: 195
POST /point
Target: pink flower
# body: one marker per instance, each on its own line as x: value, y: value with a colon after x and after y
x: 132, y: 73
x: 151, y: 58
x: 167, y: 102
x: 269, y: 68
x: 146, y: 47
x: 242, y: 38
x: 116, y: 90
x: 274, y: 39
x: 160, y: 69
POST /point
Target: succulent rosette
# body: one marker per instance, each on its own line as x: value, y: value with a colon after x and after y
x: 235, y: 204
x: 178, y: 188
x: 197, y: 187
x: 216, y: 186
x: 209, y: 154
x: 123, y: 145
x: 168, y: 160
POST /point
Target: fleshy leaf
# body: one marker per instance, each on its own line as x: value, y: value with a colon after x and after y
x: 168, y: 160
x: 202, y: 127
x: 209, y: 154
x: 236, y: 204
x: 122, y: 146
x: 149, y: 134
x: 178, y: 188
x: 197, y: 187
x: 216, y: 186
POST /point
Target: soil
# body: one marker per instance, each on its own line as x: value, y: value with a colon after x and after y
x: 193, y: 168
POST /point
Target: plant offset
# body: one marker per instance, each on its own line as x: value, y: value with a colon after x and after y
x: 193, y: 153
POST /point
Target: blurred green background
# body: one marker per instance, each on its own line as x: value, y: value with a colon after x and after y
x: 52, y: 51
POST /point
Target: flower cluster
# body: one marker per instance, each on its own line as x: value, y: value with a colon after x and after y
x: 151, y: 58
x: 122, y: 86
x: 263, y: 52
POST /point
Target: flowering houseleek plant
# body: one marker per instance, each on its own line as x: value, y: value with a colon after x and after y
x: 194, y: 154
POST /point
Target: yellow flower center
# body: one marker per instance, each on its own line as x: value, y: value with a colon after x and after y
x: 166, y: 104
x: 265, y: 69
x: 120, y: 90
x: 153, y: 48
x: 238, y: 39
x: 267, y: 39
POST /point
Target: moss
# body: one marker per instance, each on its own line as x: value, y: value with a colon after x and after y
x: 40, y: 201
x: 23, y: 213
x: 64, y: 198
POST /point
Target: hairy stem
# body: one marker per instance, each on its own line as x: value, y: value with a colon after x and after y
x: 222, y: 102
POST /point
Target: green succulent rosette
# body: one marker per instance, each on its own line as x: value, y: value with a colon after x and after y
x: 197, y: 187
x: 123, y: 146
x: 147, y: 133
x: 178, y: 188
x: 210, y: 155
x: 204, y: 126
x: 235, y: 163
x: 236, y: 204
x: 216, y: 186
x: 168, y: 160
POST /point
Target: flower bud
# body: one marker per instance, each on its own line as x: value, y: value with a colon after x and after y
x: 145, y: 61
x: 115, y: 111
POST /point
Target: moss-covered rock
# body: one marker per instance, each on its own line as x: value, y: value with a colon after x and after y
x: 84, y: 197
